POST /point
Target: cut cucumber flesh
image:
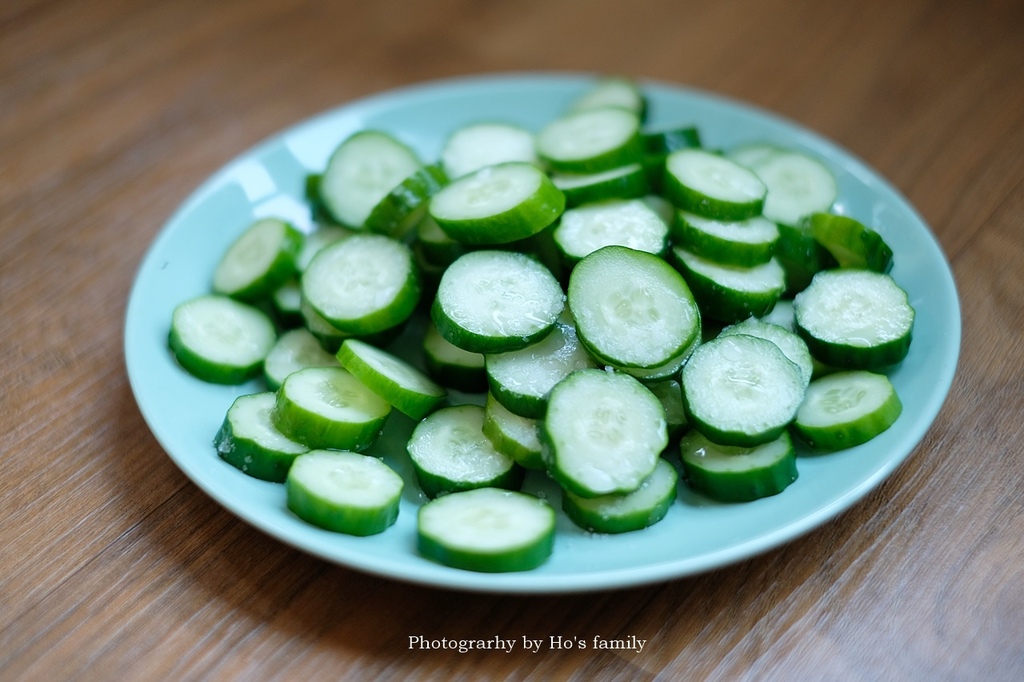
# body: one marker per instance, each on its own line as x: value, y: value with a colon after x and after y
x: 851, y: 243
x: 220, y: 340
x: 605, y: 432
x: 741, y: 390
x: 728, y: 293
x: 637, y: 510
x: 496, y: 301
x: 478, y: 145
x: 625, y: 182
x: 328, y: 407
x: 318, y: 239
x: 591, y: 140
x: 249, y: 441
x: 670, y: 393
x: 798, y: 186
x: 364, y: 284
x: 848, y: 408
x: 752, y: 154
x: 522, y: 379
x: 513, y: 435
x: 789, y: 342
x: 329, y: 336
x: 488, y: 530
x: 624, y: 222
x: 361, y: 172
x: 497, y: 204
x: 451, y: 366
x: 450, y: 452
x: 742, y: 243
x: 403, y: 386
x: 263, y: 258
x: 401, y: 209
x: 435, y: 245
x: 855, y: 319
x: 712, y: 186
x: 632, y: 309
x: 295, y: 349
x: 663, y: 372
x: 737, y: 474
x: 612, y: 91
x: 344, y: 492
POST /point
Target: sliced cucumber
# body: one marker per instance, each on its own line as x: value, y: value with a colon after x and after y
x: 318, y: 239
x: 450, y: 452
x: 263, y: 258
x: 344, y: 492
x: 401, y: 209
x: 670, y: 393
x: 625, y: 182
x: 798, y: 185
x: 855, y: 319
x: 741, y: 243
x: 801, y: 256
x: 752, y: 154
x: 789, y: 342
x: 406, y: 388
x: 488, y: 143
x: 436, y: 247
x: 637, y: 510
x: 741, y: 390
x: 712, y: 186
x: 591, y: 140
x: 844, y: 409
x: 632, y: 309
x: 451, y: 366
x: 625, y: 222
x: 220, y: 340
x: 658, y: 145
x: 496, y: 301
x: 851, y: 242
x: 612, y: 91
x: 512, y: 435
x: 604, y: 432
x: 728, y: 293
x: 488, y: 530
x: 295, y: 349
x: 737, y: 474
x: 249, y: 441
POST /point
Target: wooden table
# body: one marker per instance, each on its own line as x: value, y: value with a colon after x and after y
x: 113, y: 565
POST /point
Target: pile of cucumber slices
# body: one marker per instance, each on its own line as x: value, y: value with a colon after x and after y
x: 619, y: 308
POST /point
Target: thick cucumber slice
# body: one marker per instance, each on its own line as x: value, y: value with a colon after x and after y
x: 450, y: 452
x: 624, y: 222
x: 632, y: 309
x: 434, y: 244
x: 407, y: 389
x: 263, y: 258
x: 789, y: 342
x: 612, y: 91
x: 361, y: 172
x: 625, y: 182
x: 851, y: 243
x: 522, y: 379
x: 737, y: 474
x: 712, y: 186
x: 344, y: 492
x: 740, y: 243
x: 798, y: 185
x: 364, y: 284
x: 295, y: 349
x: 639, y: 509
x: 328, y: 407
x: 512, y: 435
x: 496, y: 301
x: 497, y: 204
x: 801, y: 256
x: 741, y: 390
x: 451, y: 366
x: 604, y: 432
x: 477, y: 145
x: 220, y: 340
x: 489, y: 530
x: 249, y: 441
x: 658, y: 145
x: 591, y: 140
x: 401, y: 209
x: 855, y: 319
x: 845, y: 409
x: 728, y: 293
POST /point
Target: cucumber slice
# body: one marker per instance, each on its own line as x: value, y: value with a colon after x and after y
x: 249, y: 441
x: 789, y: 342
x: 364, y: 284
x: 522, y: 379
x: 670, y: 393
x: 344, y: 492
x: 740, y: 243
x: 658, y: 145
x: 295, y: 349
x: 851, y: 243
x: 220, y: 340
x: 728, y: 293
x: 478, y: 145
x: 632, y: 309
x: 637, y: 510
x: 512, y: 435
x: 399, y: 211
x: 258, y: 262
x: 752, y: 154
x: 801, y: 256
x: 855, y: 319
x: 591, y: 140
x: 712, y: 186
x: 798, y: 185
x: 434, y: 244
x: 329, y: 336
x: 845, y: 409
x: 737, y: 474
x: 487, y: 530
x: 625, y: 182
x: 496, y: 301
x: 329, y: 408
x: 497, y: 204
x: 451, y: 366
x: 360, y: 173
x: 624, y: 222
x: 604, y: 432
x: 407, y: 389
x: 450, y: 452
x: 612, y: 91
x: 741, y: 390
x: 324, y: 235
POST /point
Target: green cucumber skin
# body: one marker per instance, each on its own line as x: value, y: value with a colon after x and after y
x: 801, y: 256
x: 434, y: 485
x: 251, y: 458
x: 850, y: 242
x: 716, y: 249
x: 397, y: 213
x: 595, y: 522
x: 524, y: 559
x: 328, y: 515
x: 210, y: 372
x: 722, y: 304
x: 841, y: 356
x: 284, y: 268
x: 848, y: 435
x: 743, y: 486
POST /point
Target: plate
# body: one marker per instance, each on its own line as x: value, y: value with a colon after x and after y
x: 697, y: 535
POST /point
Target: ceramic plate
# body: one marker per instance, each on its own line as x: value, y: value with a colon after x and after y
x: 697, y: 535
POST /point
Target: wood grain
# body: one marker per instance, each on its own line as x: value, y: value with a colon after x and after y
x: 114, y: 566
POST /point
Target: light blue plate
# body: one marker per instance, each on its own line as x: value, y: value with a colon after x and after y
x: 697, y: 535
